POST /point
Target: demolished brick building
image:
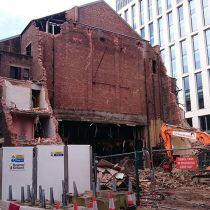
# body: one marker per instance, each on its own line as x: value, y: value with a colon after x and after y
x: 106, y: 85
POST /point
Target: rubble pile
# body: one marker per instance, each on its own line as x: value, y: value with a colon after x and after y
x: 43, y: 141
x: 107, y: 172
x: 176, y: 178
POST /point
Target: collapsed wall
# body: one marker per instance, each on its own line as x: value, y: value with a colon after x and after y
x: 28, y: 119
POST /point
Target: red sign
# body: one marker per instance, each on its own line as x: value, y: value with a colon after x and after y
x: 187, y: 163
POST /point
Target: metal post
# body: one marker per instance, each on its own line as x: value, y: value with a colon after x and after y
x: 22, y: 195
x: 40, y: 193
x: 33, y: 199
x: 28, y: 193
x: 10, y: 192
x: 52, y: 201
x: 94, y: 188
x: 64, y: 199
x: 152, y: 167
x: 43, y: 203
x: 114, y: 185
x: 76, y: 194
x: 137, y: 180
x: 94, y: 169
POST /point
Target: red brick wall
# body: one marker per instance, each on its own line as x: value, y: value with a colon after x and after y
x: 91, y: 74
x: 32, y: 36
x: 9, y: 59
x: 11, y: 45
x: 102, y: 16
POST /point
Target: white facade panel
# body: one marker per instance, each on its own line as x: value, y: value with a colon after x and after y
x: 50, y: 169
x: 17, y: 165
x: 79, y: 167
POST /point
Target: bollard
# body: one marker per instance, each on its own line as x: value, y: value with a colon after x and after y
x: 64, y: 199
x: 130, y: 187
x: 10, y: 192
x: 114, y: 185
x: 22, y: 195
x: 98, y: 187
x: 75, y: 189
x: 32, y: 196
x: 43, y: 203
x: 94, y: 188
x: 52, y: 201
x: 28, y: 193
x: 40, y: 193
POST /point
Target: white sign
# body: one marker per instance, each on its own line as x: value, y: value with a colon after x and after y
x: 17, y: 162
x: 184, y: 134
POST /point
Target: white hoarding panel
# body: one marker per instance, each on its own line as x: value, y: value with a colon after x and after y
x: 79, y: 167
x: 50, y: 169
x: 17, y: 165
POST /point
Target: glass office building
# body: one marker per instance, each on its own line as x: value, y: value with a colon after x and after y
x: 182, y: 30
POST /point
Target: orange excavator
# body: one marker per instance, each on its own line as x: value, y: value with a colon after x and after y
x: 193, y: 135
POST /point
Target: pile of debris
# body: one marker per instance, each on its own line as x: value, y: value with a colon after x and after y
x: 176, y: 178
x: 149, y: 180
x: 43, y: 141
x: 107, y: 173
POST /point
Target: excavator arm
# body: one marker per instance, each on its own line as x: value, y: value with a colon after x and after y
x: 203, y: 138
x: 166, y: 137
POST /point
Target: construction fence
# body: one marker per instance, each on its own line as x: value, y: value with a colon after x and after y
x: 149, y: 171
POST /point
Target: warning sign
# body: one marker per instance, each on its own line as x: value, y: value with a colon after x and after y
x: 187, y: 163
x: 57, y: 154
x: 17, y: 162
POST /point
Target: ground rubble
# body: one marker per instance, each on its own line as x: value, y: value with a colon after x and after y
x: 159, y: 189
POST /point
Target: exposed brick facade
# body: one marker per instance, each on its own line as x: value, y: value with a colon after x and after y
x: 98, y: 69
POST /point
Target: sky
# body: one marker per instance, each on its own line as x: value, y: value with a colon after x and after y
x: 16, y: 14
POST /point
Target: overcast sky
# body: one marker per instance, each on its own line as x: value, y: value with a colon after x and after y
x: 16, y: 14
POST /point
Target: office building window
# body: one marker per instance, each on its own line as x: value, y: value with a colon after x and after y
x: 150, y: 9
x: 143, y: 33
x: 133, y: 9
x: 173, y: 61
x: 126, y: 15
x: 162, y: 53
x: 193, y: 15
x: 187, y: 94
x: 184, y: 56
x: 189, y: 121
x: 151, y: 33
x: 141, y: 12
x: 117, y: 5
x: 159, y: 7
x: 181, y: 22
x: 196, y: 52
x: 170, y: 27
x: 199, y: 86
x: 208, y: 44
x: 160, y: 32
x: 205, y: 123
x: 169, y: 3
x: 206, y: 11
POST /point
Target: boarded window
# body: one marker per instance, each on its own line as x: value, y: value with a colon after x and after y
x: 26, y: 74
x: 28, y: 50
x: 15, y: 72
